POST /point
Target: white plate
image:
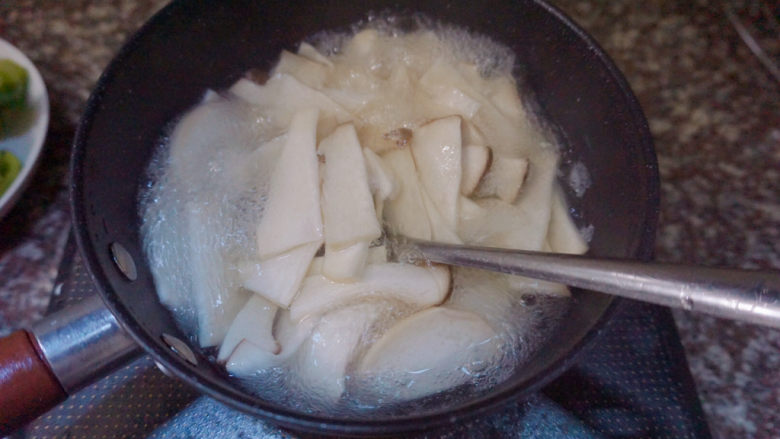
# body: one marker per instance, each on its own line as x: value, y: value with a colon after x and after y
x: 27, y: 146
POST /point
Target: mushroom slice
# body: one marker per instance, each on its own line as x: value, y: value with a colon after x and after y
x: 346, y: 264
x: 380, y: 178
x: 499, y: 120
x: 535, y: 199
x: 291, y: 334
x: 373, y: 138
x: 522, y: 225
x: 380, y: 139
x: 309, y: 51
x: 471, y: 135
x: 351, y: 100
x: 248, y: 358
x: 504, y: 179
x: 283, y: 96
x: 186, y: 249
x: 448, y: 88
x: 323, y: 359
x: 405, y: 214
x: 278, y: 278
x: 419, y: 287
x: 253, y: 323
x: 505, y: 225
x: 469, y: 211
x: 249, y: 91
x: 362, y: 45
x: 347, y: 206
x: 441, y: 230
x: 265, y: 156
x: 563, y: 235
x: 307, y: 71
x: 506, y: 136
x: 292, y: 216
x: 471, y: 74
x: 316, y: 266
x: 377, y: 255
x: 476, y: 163
x: 216, y: 300
x: 436, y: 149
x: 431, y: 351
x: 502, y: 92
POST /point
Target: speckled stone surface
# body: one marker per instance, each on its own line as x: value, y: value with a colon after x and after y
x: 70, y: 43
x: 715, y: 117
x: 713, y: 111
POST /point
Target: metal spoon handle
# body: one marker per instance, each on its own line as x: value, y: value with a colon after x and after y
x: 751, y: 296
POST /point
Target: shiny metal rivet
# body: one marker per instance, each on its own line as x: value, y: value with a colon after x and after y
x: 180, y: 348
x: 57, y: 290
x: 123, y: 261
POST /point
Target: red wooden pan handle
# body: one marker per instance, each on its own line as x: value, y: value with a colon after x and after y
x: 28, y: 388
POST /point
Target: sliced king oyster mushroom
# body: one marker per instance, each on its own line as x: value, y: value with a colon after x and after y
x: 346, y: 264
x: 347, y: 205
x: 420, y: 287
x: 436, y: 149
x: 292, y: 216
x: 406, y: 213
x: 431, y: 351
x: 279, y: 278
x: 322, y: 361
x: 476, y: 163
x: 253, y: 323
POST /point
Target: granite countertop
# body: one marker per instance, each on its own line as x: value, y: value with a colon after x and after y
x: 713, y: 111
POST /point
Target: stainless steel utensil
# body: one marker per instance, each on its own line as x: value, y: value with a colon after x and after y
x: 747, y: 295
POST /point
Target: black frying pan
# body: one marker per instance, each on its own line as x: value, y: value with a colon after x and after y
x: 190, y: 46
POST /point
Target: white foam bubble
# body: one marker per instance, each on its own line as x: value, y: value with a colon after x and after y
x: 579, y: 179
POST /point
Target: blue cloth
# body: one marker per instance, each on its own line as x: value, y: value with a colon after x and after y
x: 537, y: 418
x: 635, y: 381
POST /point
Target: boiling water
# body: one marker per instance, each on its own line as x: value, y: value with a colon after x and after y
x: 221, y: 179
x: 213, y: 171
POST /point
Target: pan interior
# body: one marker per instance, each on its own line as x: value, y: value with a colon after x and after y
x: 191, y: 46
